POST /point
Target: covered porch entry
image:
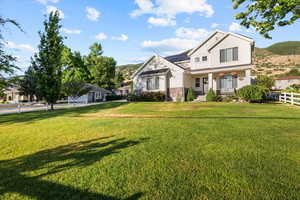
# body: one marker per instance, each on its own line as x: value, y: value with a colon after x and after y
x: 222, y: 82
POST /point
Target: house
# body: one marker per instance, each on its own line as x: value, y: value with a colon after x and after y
x: 285, y: 82
x: 222, y: 62
x: 123, y: 91
x: 95, y: 94
x: 13, y: 95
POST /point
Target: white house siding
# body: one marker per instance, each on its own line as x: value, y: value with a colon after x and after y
x: 244, y: 52
x: 203, y: 51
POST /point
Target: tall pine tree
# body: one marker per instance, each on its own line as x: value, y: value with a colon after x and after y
x: 47, y: 62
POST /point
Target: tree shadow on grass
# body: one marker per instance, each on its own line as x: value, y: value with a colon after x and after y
x: 14, y: 176
x: 30, y: 117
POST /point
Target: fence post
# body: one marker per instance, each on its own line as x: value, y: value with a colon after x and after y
x: 292, y: 98
x: 285, y: 97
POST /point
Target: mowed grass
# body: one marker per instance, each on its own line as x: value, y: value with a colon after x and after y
x: 152, y: 151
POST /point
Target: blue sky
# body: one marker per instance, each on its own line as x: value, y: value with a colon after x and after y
x: 129, y: 30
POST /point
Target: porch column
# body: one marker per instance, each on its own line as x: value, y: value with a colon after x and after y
x: 210, y: 81
x: 214, y: 84
x: 248, y: 76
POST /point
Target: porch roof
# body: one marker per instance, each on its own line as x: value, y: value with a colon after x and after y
x: 154, y: 72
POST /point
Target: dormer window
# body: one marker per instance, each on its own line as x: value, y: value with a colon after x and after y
x: 197, y: 59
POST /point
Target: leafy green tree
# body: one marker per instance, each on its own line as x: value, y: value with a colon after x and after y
x: 265, y: 81
x: 119, y: 79
x: 28, y: 85
x: 75, y: 88
x: 266, y: 15
x: 77, y: 69
x: 7, y: 62
x: 102, y: 68
x: 190, y: 95
x: 47, y: 62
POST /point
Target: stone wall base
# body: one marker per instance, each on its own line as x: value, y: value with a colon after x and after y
x: 177, y: 94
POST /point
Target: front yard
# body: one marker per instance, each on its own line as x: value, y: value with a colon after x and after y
x: 152, y: 151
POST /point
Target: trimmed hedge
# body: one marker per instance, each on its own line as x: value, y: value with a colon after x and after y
x: 147, y: 96
x: 252, y: 93
x: 113, y: 97
x: 190, y: 95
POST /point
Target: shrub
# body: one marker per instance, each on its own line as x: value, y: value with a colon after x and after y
x: 211, y: 96
x: 113, y: 97
x: 190, y: 95
x: 265, y: 81
x: 147, y: 96
x: 252, y: 93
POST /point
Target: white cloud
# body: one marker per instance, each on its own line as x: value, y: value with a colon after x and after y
x: 171, y: 8
x: 71, y: 31
x: 92, y: 14
x: 12, y: 45
x: 235, y: 27
x: 46, y: 1
x: 123, y: 37
x: 50, y: 9
x: 171, y: 45
x: 191, y: 33
x: 214, y: 25
x: 161, y: 21
x: 101, y: 36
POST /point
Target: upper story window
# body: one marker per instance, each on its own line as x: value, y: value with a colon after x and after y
x: 228, y: 55
x: 152, y: 83
x: 204, y: 58
x: 197, y: 59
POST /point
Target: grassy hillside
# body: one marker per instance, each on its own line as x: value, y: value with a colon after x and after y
x: 285, y: 48
x: 277, y: 59
x: 128, y: 70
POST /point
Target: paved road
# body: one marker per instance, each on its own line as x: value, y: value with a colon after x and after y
x: 13, y: 108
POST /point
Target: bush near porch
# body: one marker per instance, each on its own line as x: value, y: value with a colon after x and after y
x: 147, y: 96
x: 152, y: 151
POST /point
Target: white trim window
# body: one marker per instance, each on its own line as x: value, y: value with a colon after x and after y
x: 152, y: 83
x: 197, y: 59
x: 204, y: 58
x: 229, y: 54
x: 228, y: 82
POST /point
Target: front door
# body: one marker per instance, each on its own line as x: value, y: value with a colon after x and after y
x: 205, y: 85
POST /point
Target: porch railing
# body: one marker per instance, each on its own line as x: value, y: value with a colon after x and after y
x: 292, y: 98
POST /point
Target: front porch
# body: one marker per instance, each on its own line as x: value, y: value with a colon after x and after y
x: 222, y: 83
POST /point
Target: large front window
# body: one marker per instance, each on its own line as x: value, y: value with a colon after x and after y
x: 228, y: 82
x: 152, y: 83
x: 228, y: 55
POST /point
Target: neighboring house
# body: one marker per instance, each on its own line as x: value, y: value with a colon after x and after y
x: 285, y: 82
x: 12, y: 95
x: 95, y: 94
x: 222, y: 62
x: 123, y: 91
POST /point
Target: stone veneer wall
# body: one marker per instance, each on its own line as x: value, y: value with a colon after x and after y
x: 177, y: 93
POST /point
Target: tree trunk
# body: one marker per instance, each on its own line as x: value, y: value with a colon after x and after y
x: 52, y: 106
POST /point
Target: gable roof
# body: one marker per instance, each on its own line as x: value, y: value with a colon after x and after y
x: 212, y: 35
x: 232, y: 34
x: 157, y: 71
x: 149, y: 60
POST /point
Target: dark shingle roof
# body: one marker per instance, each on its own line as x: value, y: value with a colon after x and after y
x: 158, y: 71
x: 178, y: 57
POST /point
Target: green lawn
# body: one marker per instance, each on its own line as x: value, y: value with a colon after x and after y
x: 152, y: 151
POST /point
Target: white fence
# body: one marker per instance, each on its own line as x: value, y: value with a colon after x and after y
x: 292, y: 98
